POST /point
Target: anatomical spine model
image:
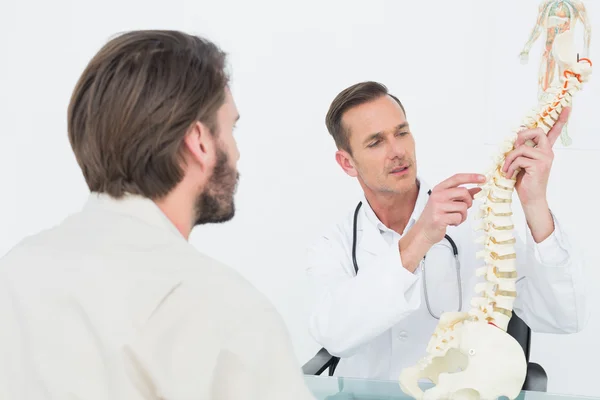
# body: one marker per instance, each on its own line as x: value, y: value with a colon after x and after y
x: 470, y: 355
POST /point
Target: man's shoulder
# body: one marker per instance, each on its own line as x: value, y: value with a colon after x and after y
x: 199, y: 266
x: 334, y: 229
x: 331, y: 242
x: 209, y: 291
x: 157, y: 254
x: 201, y: 274
x: 25, y: 246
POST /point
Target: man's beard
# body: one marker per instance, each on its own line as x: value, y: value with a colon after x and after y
x: 215, y: 203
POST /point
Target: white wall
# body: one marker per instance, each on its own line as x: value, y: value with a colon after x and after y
x: 288, y: 62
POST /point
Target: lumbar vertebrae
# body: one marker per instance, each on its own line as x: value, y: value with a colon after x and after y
x: 470, y: 355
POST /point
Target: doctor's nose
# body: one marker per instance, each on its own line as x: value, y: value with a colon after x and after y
x: 396, y: 150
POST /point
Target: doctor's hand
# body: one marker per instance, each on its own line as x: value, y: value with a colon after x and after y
x: 535, y: 164
x: 447, y: 206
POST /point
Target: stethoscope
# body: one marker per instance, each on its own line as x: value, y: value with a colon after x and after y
x: 454, y: 251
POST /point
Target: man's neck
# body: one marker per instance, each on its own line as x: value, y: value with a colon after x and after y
x: 176, y: 208
x: 394, y: 209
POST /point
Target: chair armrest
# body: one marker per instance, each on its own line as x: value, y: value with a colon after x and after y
x: 319, y: 363
x: 536, y: 379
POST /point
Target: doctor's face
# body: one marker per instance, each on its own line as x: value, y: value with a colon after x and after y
x: 215, y: 203
x: 383, y: 148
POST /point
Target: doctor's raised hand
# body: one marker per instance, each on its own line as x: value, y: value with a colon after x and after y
x: 447, y: 205
x: 535, y: 164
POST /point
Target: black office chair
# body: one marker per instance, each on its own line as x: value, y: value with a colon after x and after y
x: 535, y: 380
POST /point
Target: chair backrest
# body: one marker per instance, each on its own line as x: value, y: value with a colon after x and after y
x: 519, y: 330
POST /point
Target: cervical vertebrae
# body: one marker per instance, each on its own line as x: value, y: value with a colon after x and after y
x: 470, y: 355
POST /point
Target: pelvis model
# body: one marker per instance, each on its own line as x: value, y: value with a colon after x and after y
x: 470, y: 355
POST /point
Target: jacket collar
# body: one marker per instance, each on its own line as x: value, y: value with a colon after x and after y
x: 373, y: 229
x: 135, y: 206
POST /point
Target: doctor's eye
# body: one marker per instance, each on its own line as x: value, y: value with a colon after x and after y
x: 374, y: 143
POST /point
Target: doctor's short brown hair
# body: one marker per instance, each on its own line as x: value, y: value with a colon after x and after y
x: 352, y: 96
x: 134, y: 104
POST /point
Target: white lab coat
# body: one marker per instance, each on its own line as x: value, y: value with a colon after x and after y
x: 378, y: 323
x: 114, y: 303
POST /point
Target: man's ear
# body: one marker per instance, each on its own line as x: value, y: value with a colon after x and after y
x: 344, y: 159
x: 200, y: 144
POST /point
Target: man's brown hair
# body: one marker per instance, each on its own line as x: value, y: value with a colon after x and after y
x: 348, y: 98
x: 134, y: 104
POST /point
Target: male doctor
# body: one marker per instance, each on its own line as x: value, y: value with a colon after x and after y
x: 379, y: 320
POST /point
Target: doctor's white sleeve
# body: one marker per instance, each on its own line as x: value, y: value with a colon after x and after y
x: 550, y: 291
x: 349, y: 311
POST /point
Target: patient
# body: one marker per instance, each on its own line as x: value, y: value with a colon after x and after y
x: 114, y: 303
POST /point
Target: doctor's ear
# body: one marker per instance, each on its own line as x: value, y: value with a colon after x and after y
x: 346, y: 162
x: 200, y: 144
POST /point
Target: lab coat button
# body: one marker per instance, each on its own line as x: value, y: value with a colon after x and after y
x: 402, y: 335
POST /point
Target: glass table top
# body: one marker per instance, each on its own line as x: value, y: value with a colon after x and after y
x: 337, y: 388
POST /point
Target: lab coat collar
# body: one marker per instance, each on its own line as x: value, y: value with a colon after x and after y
x: 135, y: 206
x: 373, y: 228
